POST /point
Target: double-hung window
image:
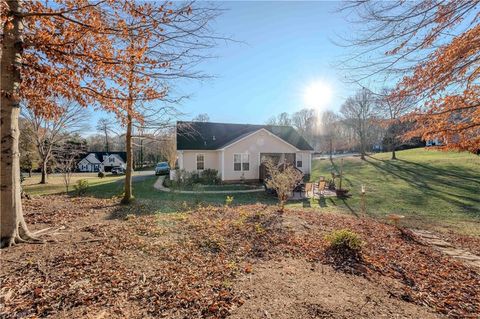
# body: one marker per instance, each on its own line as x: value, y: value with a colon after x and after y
x: 237, y: 162
x: 299, y: 160
x: 245, y: 162
x: 200, y: 162
x: 241, y: 162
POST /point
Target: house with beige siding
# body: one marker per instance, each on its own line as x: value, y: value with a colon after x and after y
x: 236, y: 151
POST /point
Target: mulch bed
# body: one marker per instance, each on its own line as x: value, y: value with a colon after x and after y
x: 183, y: 265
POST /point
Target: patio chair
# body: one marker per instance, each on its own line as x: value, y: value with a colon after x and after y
x: 309, y: 188
x: 321, y: 186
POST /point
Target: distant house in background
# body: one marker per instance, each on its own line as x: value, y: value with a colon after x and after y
x: 236, y: 151
x: 435, y: 142
x: 102, y: 161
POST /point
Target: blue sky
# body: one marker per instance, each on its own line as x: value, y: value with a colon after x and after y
x: 286, y: 47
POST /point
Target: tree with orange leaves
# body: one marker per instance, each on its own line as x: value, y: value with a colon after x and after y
x: 163, y: 43
x: 432, y: 50
x: 66, y: 49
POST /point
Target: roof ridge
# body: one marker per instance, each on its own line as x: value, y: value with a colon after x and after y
x: 245, y: 124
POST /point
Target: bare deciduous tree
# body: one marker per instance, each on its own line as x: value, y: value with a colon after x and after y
x: 169, y: 149
x: 29, y: 158
x: 283, y: 179
x: 202, y: 117
x: 391, y: 109
x: 66, y: 156
x: 105, y: 127
x: 48, y: 132
x: 329, y: 124
x: 358, y: 112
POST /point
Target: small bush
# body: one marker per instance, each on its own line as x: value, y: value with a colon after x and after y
x: 228, y: 200
x: 101, y: 174
x: 210, y: 177
x: 184, y: 179
x: 81, y: 187
x: 345, y: 240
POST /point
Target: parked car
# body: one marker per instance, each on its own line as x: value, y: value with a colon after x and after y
x: 118, y: 170
x: 162, y: 169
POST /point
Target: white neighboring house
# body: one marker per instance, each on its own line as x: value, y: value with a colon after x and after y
x: 102, y: 161
x: 237, y: 151
x: 435, y: 142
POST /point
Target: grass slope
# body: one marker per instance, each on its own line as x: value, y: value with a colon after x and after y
x: 439, y: 190
x: 56, y: 183
x: 432, y: 188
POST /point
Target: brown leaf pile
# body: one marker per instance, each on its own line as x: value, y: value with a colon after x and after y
x: 184, y: 265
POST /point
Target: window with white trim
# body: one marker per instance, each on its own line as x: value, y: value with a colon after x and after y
x: 200, y: 162
x: 241, y: 162
x: 237, y: 162
x: 299, y: 160
x: 245, y: 162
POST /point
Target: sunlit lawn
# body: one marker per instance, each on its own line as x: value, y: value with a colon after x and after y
x: 431, y: 188
x: 56, y: 183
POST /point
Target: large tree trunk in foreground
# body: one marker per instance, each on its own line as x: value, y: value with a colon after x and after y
x: 127, y: 197
x: 13, y: 228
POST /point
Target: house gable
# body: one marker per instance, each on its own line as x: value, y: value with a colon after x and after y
x: 252, y: 135
x: 113, y: 160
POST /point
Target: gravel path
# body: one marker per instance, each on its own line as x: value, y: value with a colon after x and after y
x: 445, y: 247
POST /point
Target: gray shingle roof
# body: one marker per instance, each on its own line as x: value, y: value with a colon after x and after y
x: 212, y: 136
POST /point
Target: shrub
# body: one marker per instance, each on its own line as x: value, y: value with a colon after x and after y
x: 81, y: 187
x: 210, y: 177
x: 228, y: 200
x: 282, y: 180
x: 101, y: 174
x: 344, y: 240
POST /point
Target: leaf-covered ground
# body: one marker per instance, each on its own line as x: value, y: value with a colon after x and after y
x: 105, y: 260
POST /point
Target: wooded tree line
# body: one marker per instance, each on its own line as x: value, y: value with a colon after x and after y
x: 366, y: 122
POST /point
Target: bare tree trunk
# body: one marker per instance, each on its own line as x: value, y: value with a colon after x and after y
x: 30, y: 172
x: 127, y: 197
x: 13, y: 227
x: 141, y: 153
x: 44, y: 172
x: 331, y: 149
x: 362, y: 147
x: 106, y: 140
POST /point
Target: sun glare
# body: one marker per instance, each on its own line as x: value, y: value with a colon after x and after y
x: 318, y: 95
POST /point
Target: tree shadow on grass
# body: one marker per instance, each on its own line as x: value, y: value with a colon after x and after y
x: 461, y: 186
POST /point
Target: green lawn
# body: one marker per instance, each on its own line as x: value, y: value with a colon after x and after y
x: 171, y: 201
x: 432, y: 188
x: 56, y: 183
